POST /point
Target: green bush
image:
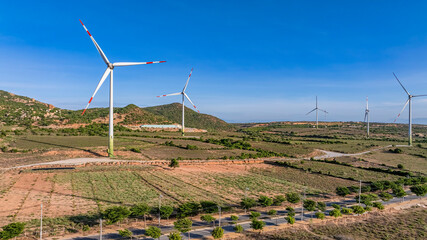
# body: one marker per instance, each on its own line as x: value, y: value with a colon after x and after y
x: 347, y: 210
x: 238, y: 229
x: 257, y: 224
x: 336, y: 206
x: 265, y: 201
x: 192, y: 147
x: 116, y: 214
x: 174, y: 163
x: 358, y: 209
x: 335, y: 213
x: 321, y: 206
x: 396, y: 150
x: 291, y: 220
x: 278, y: 200
x: 385, y: 196
x: 153, y: 232
x: 209, y: 206
x: 272, y: 212
x: 136, y: 150
x: 293, y: 197
x: 310, y: 205
x: 183, y: 225
x: 218, y: 233
x: 254, y: 215
x: 125, y: 233
x: 207, y: 218
x: 166, y: 211
x: 234, y: 218
x: 12, y: 230
x: 379, y: 205
x: 342, y: 191
x: 188, y: 209
x: 247, y: 203
x: 400, y: 166
x: 419, y: 190
x: 174, y: 236
x: 320, y: 215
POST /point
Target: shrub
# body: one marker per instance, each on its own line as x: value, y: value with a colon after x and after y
x: 419, y: 190
x: 379, y: 205
x: 192, y: 147
x: 368, y: 208
x: 125, y: 233
x: 265, y: 201
x: 358, y: 209
x: 234, y: 218
x: 310, y: 205
x: 293, y: 197
x: 183, y: 225
x: 174, y: 163
x: 254, y: 215
x: 188, y: 209
x: 153, y: 232
x: 365, y: 188
x: 247, y: 203
x: 257, y: 224
x: 217, y: 233
x: 115, y: 214
x: 136, y: 150
x: 174, y: 236
x: 207, y: 218
x: 342, y: 191
x: 291, y: 220
x: 336, y: 206
x: 272, y: 212
x: 320, y: 215
x: 85, y: 228
x: 238, y: 229
x: 278, y: 200
x: 335, y: 213
x: 347, y: 211
x: 166, y: 211
x: 12, y: 230
x: 321, y: 206
x: 209, y: 206
x: 398, y: 191
x: 396, y: 150
x: 385, y: 196
x: 400, y: 166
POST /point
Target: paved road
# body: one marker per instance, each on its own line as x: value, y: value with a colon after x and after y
x: 202, y: 229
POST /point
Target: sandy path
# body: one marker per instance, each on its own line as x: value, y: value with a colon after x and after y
x: 330, y: 154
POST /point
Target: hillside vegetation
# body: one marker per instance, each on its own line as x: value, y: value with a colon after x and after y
x: 18, y: 110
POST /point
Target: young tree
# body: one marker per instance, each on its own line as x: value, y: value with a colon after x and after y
x: 310, y: 205
x: 293, y: 197
x: 140, y: 210
x: 116, y: 214
x: 398, y: 191
x: 257, y: 225
x: 174, y: 163
x: 12, y: 230
x: 218, y: 233
x: 342, y: 191
x: 247, y: 203
x: 125, y: 233
x: 174, y: 236
x: 291, y: 211
x: 255, y: 215
x: 183, y: 225
x: 358, y: 209
x: 188, y: 209
x: 238, y: 229
x: 320, y: 215
x: 278, y: 200
x: 209, y: 206
x: 166, y: 211
x: 419, y: 190
x: 321, y: 206
x: 208, y: 218
x: 153, y: 232
x: 234, y: 218
x: 335, y: 213
x: 347, y: 211
x: 265, y: 201
x: 291, y: 220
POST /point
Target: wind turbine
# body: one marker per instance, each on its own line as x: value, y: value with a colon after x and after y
x: 184, y: 95
x: 410, y: 109
x: 110, y: 67
x: 317, y: 113
x: 367, y: 116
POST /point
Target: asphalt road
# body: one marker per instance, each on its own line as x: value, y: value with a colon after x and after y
x: 202, y: 229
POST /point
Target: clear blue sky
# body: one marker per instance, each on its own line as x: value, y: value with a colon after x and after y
x: 253, y: 60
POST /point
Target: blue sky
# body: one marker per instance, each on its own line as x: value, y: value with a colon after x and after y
x: 253, y: 60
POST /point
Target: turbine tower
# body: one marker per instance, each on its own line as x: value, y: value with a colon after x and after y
x: 184, y: 95
x: 109, y: 71
x: 317, y: 113
x: 367, y: 116
x: 410, y: 109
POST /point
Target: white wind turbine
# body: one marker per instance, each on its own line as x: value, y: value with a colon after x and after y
x: 317, y: 113
x: 367, y: 116
x: 110, y: 67
x: 184, y: 95
x: 410, y: 110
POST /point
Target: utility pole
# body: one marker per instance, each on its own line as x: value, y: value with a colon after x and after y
x: 100, y: 227
x: 219, y: 219
x: 360, y: 189
x: 41, y: 221
x: 160, y: 205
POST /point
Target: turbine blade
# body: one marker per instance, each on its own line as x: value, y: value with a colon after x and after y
x: 311, y: 111
x: 121, y: 64
x: 191, y: 102
x: 366, y: 114
x: 104, y: 76
x: 423, y: 95
x: 188, y: 79
x: 172, y: 94
x: 407, y: 101
x: 367, y: 107
x: 323, y: 110
x: 96, y: 45
x: 401, y: 84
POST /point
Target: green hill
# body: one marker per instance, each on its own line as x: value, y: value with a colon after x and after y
x: 24, y: 111
x: 173, y: 112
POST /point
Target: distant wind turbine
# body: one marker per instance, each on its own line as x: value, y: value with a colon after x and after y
x: 110, y: 67
x: 184, y: 95
x: 317, y: 113
x: 410, y: 109
x: 367, y: 116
